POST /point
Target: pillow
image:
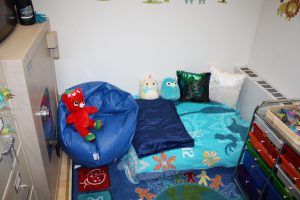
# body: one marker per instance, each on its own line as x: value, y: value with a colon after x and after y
x: 225, y: 87
x: 193, y: 87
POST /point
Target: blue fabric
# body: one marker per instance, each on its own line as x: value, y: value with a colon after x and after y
x: 159, y: 128
x: 218, y: 132
x: 117, y: 109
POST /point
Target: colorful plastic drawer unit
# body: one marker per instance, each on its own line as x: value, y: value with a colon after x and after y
x: 264, y: 140
x: 262, y: 165
x: 254, y: 171
x: 261, y: 150
x: 266, y: 170
x: 289, y: 169
x: 246, y: 183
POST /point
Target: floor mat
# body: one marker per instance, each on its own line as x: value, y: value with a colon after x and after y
x: 111, y: 183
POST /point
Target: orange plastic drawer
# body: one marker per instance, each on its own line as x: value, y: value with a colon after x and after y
x: 261, y: 150
x: 289, y: 169
x: 264, y: 140
x: 292, y: 157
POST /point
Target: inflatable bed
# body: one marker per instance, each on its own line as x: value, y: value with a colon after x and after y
x: 218, y: 133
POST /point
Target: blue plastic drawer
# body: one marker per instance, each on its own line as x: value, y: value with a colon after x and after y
x: 271, y: 193
x: 246, y: 183
x: 254, y: 170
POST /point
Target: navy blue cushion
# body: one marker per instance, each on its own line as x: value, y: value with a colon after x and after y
x: 159, y: 128
x: 117, y: 109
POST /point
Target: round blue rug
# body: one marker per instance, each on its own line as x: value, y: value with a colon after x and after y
x: 189, y: 192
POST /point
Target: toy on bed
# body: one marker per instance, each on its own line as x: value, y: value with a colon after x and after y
x: 148, y: 89
x: 79, y: 114
x: 118, y: 113
x: 170, y: 89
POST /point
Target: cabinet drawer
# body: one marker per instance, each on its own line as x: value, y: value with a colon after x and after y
x: 288, y: 183
x: 20, y: 176
x: 289, y: 169
x: 247, y: 183
x: 261, y: 150
x: 254, y: 171
x: 268, y: 132
x: 265, y: 141
x: 6, y: 166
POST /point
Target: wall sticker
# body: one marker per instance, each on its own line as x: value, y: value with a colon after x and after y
x: 222, y: 1
x: 289, y: 8
x: 156, y: 1
x: 192, y: 1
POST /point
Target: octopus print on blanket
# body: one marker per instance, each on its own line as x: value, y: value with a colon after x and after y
x: 218, y: 133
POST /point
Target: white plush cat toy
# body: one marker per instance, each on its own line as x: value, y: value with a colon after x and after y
x: 149, y: 89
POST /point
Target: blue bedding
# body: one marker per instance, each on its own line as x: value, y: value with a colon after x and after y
x: 218, y: 132
x: 159, y: 128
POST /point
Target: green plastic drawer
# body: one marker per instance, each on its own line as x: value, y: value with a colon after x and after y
x: 262, y: 165
x: 281, y: 188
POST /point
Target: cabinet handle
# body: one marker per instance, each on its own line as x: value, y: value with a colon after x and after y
x: 25, y: 188
x: 44, y: 112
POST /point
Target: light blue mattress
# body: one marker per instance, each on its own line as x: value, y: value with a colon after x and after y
x: 219, y: 135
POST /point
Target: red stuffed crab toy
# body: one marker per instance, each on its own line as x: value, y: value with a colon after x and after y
x: 79, y: 114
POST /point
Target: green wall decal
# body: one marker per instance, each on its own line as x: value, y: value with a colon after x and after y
x: 192, y: 1
x: 156, y: 1
x: 222, y: 1
x: 290, y: 8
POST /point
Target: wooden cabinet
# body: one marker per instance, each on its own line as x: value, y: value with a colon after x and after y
x: 269, y: 165
x: 27, y: 68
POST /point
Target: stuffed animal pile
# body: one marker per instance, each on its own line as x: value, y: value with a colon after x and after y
x: 169, y: 89
x: 79, y: 114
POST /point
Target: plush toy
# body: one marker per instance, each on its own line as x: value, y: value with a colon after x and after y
x: 148, y: 89
x: 170, y: 89
x: 79, y: 114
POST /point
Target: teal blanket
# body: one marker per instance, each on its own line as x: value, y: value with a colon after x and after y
x: 219, y: 135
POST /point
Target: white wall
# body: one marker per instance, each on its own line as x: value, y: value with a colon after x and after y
x: 275, y: 54
x: 123, y: 41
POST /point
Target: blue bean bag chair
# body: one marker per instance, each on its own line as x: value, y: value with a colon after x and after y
x: 118, y: 111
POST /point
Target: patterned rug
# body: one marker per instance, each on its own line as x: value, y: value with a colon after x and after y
x: 110, y: 182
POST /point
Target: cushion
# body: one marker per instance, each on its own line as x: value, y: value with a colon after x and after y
x: 117, y: 109
x: 225, y: 87
x: 159, y: 128
x: 193, y: 87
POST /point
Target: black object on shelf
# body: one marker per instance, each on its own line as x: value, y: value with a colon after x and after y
x: 25, y: 12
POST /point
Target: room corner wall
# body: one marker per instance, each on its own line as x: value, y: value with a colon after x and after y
x: 123, y: 41
x: 275, y: 52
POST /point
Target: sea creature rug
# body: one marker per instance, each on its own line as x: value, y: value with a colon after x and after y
x: 110, y: 182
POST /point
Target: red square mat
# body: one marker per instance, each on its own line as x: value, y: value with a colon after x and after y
x: 93, y: 179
